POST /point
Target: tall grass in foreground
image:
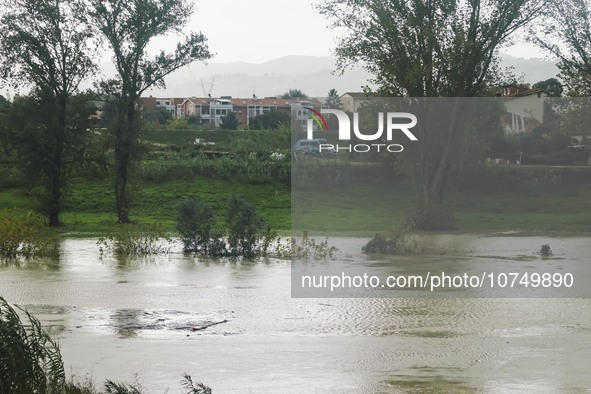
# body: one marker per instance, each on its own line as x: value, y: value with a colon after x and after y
x: 31, y: 362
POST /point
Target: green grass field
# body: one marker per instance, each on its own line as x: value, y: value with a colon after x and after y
x: 365, y: 207
x: 90, y: 205
x: 347, y: 210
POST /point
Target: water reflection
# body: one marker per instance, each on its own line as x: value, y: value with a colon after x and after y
x: 126, y: 322
x: 37, y: 264
x: 430, y: 384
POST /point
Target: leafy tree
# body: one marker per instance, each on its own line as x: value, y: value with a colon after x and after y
x: 429, y: 49
x: 52, y: 55
x: 272, y: 120
x: 177, y: 124
x: 332, y: 99
x: 128, y: 26
x: 194, y: 223
x: 158, y: 115
x: 552, y: 87
x: 229, y: 122
x: 294, y: 94
x: 194, y: 120
x: 567, y: 35
x: 246, y: 229
x: 31, y: 124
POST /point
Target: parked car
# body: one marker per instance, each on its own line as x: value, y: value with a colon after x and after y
x: 312, y: 147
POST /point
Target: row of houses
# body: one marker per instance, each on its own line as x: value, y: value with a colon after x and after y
x: 212, y: 110
x: 525, y: 107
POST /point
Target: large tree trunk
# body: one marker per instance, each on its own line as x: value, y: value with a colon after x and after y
x: 121, y: 197
x: 121, y: 173
x: 55, y: 188
x: 125, y: 140
x: 434, y: 161
x: 55, y: 201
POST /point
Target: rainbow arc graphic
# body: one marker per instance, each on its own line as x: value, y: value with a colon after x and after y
x: 318, y: 118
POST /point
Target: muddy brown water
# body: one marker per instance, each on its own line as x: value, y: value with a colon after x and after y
x: 236, y: 327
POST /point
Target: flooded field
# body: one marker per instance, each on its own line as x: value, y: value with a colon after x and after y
x: 235, y: 326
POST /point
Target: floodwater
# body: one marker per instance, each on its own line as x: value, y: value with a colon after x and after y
x: 235, y: 326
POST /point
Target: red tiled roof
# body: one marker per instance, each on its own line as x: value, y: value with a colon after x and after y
x: 238, y: 102
x: 527, y: 92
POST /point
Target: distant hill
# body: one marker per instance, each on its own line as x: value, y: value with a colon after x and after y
x: 313, y: 75
x: 532, y: 70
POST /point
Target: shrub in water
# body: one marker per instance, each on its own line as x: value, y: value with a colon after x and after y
x: 304, y: 247
x: 134, y: 240
x: 396, y: 243
x: 21, y: 234
x: 246, y: 233
x: 545, y: 251
x: 195, y: 225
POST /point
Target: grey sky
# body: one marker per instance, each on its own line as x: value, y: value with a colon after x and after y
x: 256, y: 31
x: 259, y: 30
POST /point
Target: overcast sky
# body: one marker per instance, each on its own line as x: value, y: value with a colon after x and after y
x: 260, y: 30
x: 256, y: 31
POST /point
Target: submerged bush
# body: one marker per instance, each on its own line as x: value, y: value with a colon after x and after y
x: 195, y: 223
x: 545, y: 251
x: 133, y: 240
x: 397, y: 243
x: 304, y: 247
x: 246, y: 233
x: 21, y: 234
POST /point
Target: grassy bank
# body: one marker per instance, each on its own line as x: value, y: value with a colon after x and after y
x: 90, y: 206
x: 348, y: 213
x: 528, y: 200
x: 346, y: 209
